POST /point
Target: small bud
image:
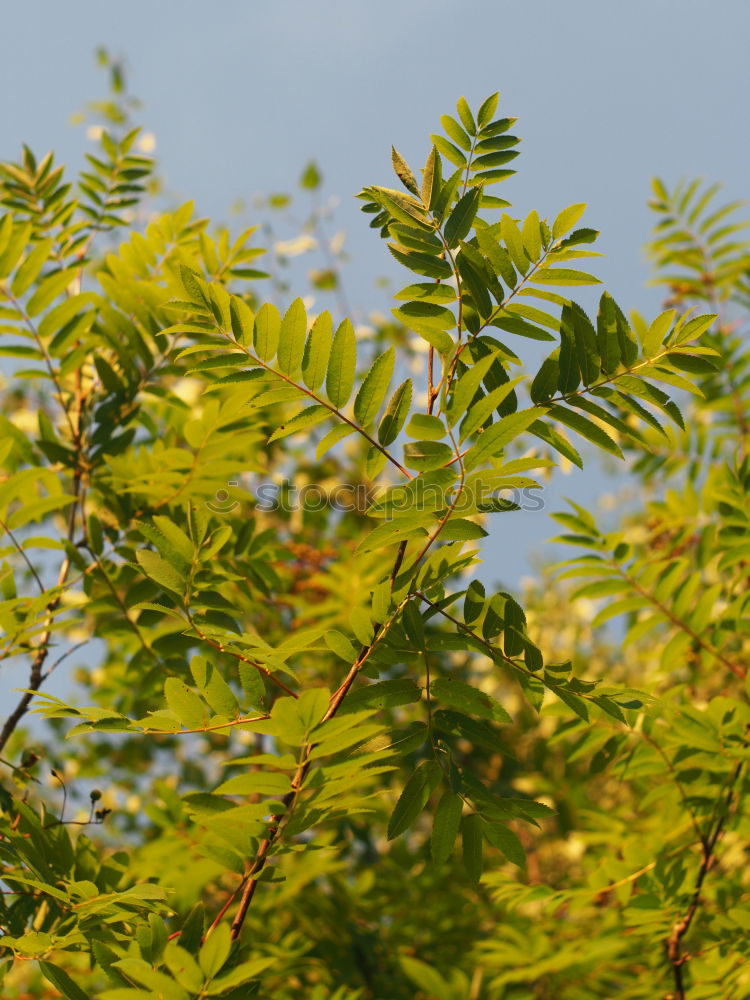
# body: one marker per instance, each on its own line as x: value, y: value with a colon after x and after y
x: 95, y: 795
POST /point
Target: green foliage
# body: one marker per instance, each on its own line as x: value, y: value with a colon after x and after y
x: 294, y: 725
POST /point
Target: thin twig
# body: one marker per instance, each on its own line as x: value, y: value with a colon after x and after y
x: 23, y: 555
x: 675, y: 954
x: 259, y: 862
x: 36, y: 676
x: 221, y: 648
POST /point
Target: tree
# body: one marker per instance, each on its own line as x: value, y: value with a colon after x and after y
x: 296, y: 701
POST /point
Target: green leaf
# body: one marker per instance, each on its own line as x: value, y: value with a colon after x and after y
x: 406, y: 210
x: 497, y: 255
x: 414, y: 625
x: 505, y: 840
x: 579, y: 236
x: 48, y: 290
x: 531, y: 235
x: 461, y: 219
x: 193, y: 285
x: 448, y: 188
x: 546, y: 379
x: 395, y: 414
x: 459, y: 529
x: 430, y: 178
x: 465, y: 698
x: 693, y: 329
x: 563, y: 276
x: 185, y: 704
x: 464, y: 113
x: 343, y: 733
x: 13, y: 245
x: 428, y: 981
x: 266, y: 332
x: 383, y: 694
x: 691, y: 364
x: 495, y: 438
x: 332, y: 438
x: 425, y: 316
x: 608, y: 341
x: 311, y: 178
x: 307, y: 418
x: 215, y: 951
x: 160, y: 571
x: 625, y: 336
x: 474, y: 601
x: 486, y: 406
x: 403, y: 171
x: 238, y: 976
x: 427, y: 292
x: 256, y: 783
x: 62, y: 981
x: 341, y: 646
x: 292, y: 338
x: 242, y: 319
x: 29, y: 270
x: 454, y: 132
x: 569, y: 372
x: 586, y: 347
x: 342, y: 365
x: 586, y: 428
x: 160, y: 984
x: 425, y: 426
x: 490, y: 176
x: 466, y: 386
x: 445, y: 826
x: 192, y: 929
x: 213, y: 687
x: 426, y: 455
x: 176, y: 539
x: 394, y: 532
x: 318, y: 351
x: 471, y: 836
x: 374, y: 388
x: 566, y: 220
x: 183, y: 967
x: 513, y: 240
x: 409, y: 237
x: 479, y: 276
x: 474, y: 284
x: 514, y: 624
x: 657, y: 333
x: 439, y: 339
x: 452, y: 153
x: 414, y: 798
x: 422, y: 263
x: 487, y: 109
x: 496, y: 145
x: 553, y: 437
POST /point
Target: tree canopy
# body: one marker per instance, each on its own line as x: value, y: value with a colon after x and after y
x: 304, y: 750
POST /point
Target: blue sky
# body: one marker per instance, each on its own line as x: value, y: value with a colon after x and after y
x: 241, y: 94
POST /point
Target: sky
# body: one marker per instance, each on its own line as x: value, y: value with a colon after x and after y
x: 240, y: 95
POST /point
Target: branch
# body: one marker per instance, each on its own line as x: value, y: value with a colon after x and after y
x: 221, y: 648
x: 36, y: 675
x: 320, y: 400
x: 737, y: 670
x: 252, y: 876
x: 708, y: 844
x: 22, y: 553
